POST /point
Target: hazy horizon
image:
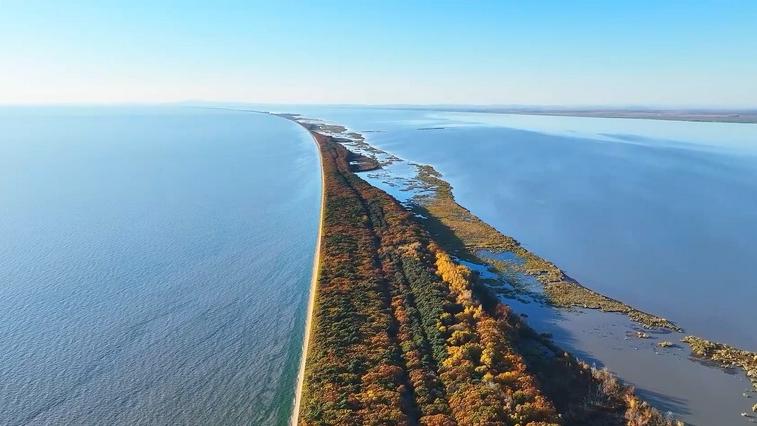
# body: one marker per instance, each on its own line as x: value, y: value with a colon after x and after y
x: 525, y: 107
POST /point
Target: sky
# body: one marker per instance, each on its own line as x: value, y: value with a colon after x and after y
x: 618, y: 53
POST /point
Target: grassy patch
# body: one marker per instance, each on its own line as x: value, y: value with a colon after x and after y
x: 724, y: 355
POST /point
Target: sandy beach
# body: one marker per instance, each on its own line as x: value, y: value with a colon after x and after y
x: 311, y: 300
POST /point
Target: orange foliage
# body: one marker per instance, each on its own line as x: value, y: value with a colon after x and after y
x: 398, y: 335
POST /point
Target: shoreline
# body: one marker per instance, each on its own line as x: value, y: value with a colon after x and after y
x: 692, y: 116
x: 294, y: 418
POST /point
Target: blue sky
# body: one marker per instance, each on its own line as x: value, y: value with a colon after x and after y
x: 669, y: 53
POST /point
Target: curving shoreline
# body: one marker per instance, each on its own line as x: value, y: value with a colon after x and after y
x: 294, y: 419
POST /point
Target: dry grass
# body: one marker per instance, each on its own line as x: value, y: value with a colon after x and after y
x: 724, y: 355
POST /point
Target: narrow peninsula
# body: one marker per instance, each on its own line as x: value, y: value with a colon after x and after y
x: 402, y: 333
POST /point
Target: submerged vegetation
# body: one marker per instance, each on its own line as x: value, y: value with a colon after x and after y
x: 404, y: 334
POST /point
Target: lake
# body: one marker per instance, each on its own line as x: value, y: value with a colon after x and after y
x: 155, y: 264
x: 659, y: 214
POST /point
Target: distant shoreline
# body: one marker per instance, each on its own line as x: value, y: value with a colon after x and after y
x: 702, y: 116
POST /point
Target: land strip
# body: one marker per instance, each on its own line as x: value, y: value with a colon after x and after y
x: 696, y: 115
x: 403, y: 334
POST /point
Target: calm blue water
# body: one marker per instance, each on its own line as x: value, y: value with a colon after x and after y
x: 659, y: 214
x: 154, y: 265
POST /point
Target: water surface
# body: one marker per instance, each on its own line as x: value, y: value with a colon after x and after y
x: 154, y: 265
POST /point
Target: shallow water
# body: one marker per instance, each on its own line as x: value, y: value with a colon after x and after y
x: 155, y: 265
x: 664, y: 224
x: 696, y: 393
